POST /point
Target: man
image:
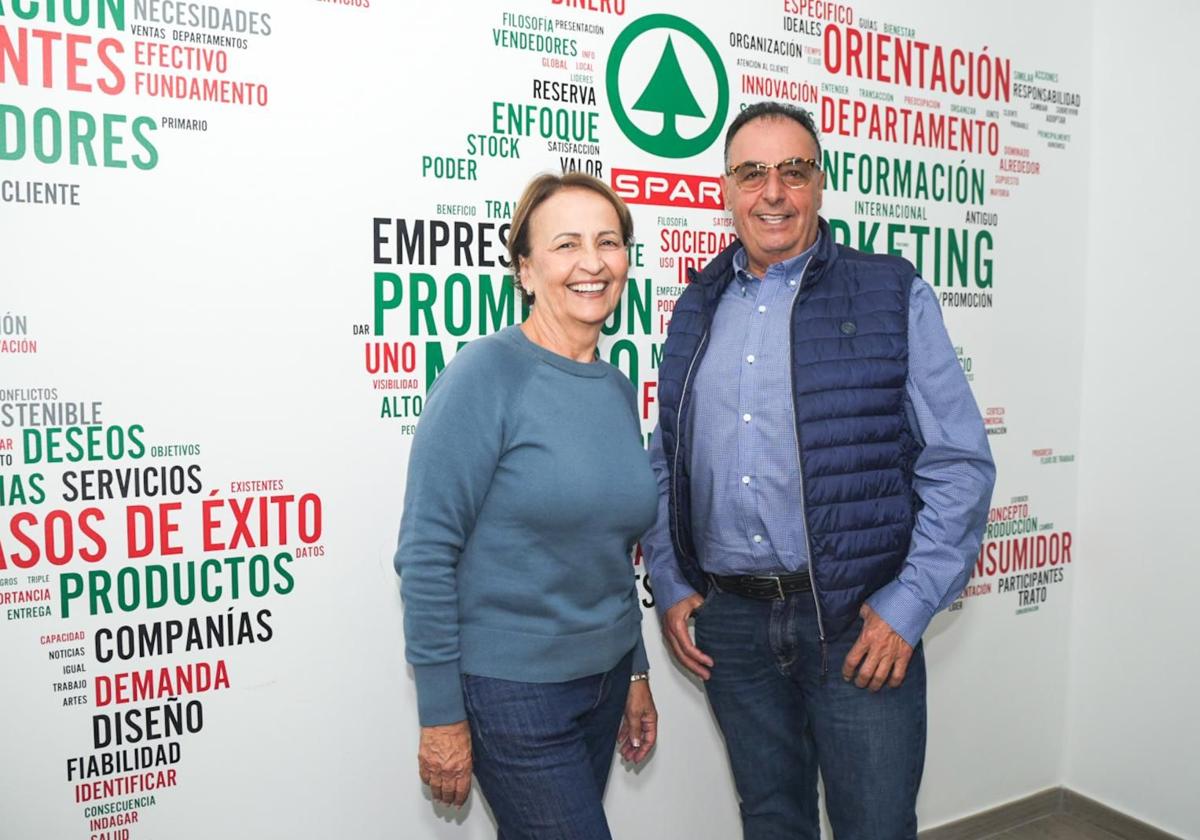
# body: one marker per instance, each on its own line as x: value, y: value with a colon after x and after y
x: 824, y: 477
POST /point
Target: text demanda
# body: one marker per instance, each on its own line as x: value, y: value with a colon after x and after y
x: 166, y: 681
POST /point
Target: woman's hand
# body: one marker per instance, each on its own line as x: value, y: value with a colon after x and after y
x: 444, y: 758
x: 639, y: 726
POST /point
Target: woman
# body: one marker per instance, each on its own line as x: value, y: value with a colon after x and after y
x: 527, y: 486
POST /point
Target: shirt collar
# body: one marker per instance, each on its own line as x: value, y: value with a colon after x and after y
x: 788, y: 269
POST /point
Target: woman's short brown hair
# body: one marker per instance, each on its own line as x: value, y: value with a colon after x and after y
x: 540, y: 189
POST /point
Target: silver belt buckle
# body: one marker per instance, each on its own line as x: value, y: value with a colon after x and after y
x: 778, y: 584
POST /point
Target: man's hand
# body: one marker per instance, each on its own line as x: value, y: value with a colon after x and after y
x: 880, y: 650
x: 679, y: 639
x: 444, y: 759
x: 639, y: 726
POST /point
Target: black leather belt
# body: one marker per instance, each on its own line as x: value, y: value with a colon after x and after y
x: 763, y: 587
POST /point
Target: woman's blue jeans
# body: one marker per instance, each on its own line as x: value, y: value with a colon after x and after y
x: 782, y: 720
x: 542, y: 751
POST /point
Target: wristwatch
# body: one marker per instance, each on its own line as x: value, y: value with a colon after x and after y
x: 640, y: 675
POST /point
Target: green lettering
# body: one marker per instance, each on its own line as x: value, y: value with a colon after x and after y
x: 983, y: 266
x: 496, y: 312
x: 70, y: 587
x: 98, y: 586
x: 457, y: 296
x: 435, y: 361
x: 639, y: 304
x: 83, y: 133
x: 112, y: 140
x: 388, y: 293
x: 141, y: 125
x: 840, y: 230
x: 903, y: 175
x: 624, y: 357
x: 656, y: 356
x: 636, y: 303
x: 957, y: 257
x: 39, y: 135
x: 893, y: 230
x: 421, y: 303
x: 129, y: 584
x: 17, y: 150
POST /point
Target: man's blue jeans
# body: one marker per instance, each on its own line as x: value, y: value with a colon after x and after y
x: 542, y: 751
x: 782, y: 720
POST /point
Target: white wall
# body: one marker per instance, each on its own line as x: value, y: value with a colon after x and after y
x: 215, y: 300
x: 1132, y: 736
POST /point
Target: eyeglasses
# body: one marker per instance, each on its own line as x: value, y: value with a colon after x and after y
x: 794, y: 172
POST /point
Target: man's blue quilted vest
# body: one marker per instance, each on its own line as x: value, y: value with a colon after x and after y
x: 849, y: 366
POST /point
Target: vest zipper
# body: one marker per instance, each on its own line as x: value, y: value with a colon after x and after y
x: 679, y: 437
x: 800, y: 472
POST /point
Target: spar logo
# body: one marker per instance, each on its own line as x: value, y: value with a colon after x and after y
x: 668, y: 189
x: 669, y: 117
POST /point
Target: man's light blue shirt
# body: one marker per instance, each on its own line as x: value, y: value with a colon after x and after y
x: 744, y: 465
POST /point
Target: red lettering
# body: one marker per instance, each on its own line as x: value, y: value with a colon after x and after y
x: 99, y: 547
x: 75, y: 62
x: 647, y: 399
x: 667, y: 189
x: 35, y: 550
x: 57, y: 537
x: 105, y: 50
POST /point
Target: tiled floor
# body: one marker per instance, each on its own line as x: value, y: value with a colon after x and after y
x: 1057, y: 827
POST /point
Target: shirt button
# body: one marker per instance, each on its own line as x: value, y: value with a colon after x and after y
x: 762, y: 309
x: 745, y: 479
x: 750, y: 358
x: 746, y: 417
x: 758, y: 538
x: 791, y: 282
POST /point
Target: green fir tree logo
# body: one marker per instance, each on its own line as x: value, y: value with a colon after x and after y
x: 667, y: 92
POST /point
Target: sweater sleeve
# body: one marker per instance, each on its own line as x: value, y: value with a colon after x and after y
x: 641, y: 664
x: 457, y: 445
